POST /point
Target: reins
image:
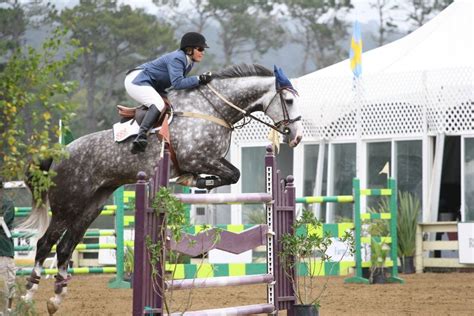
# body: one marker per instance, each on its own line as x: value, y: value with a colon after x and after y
x: 286, y: 121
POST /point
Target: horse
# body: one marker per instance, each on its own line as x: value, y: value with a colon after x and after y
x: 97, y: 165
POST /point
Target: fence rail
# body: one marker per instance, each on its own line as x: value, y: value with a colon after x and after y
x: 424, y: 244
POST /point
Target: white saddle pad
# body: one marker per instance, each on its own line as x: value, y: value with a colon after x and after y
x: 122, y: 131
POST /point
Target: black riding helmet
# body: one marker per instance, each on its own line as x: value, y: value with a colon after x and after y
x: 193, y: 39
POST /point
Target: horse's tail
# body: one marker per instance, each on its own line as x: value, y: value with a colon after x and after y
x: 38, y: 218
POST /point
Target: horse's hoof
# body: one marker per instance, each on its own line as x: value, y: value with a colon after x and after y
x: 52, y: 307
x: 25, y: 298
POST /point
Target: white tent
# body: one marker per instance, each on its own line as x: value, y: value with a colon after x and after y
x: 446, y: 41
x: 430, y: 68
x: 420, y: 87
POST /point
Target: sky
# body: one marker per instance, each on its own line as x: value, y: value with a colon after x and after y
x: 362, y: 9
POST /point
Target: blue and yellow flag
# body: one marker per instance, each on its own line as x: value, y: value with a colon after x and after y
x: 355, y: 53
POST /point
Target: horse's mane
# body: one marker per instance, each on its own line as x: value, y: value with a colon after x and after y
x: 243, y: 70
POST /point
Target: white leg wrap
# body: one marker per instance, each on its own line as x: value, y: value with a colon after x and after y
x: 28, y: 297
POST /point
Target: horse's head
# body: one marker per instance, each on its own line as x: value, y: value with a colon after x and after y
x: 250, y: 88
x: 279, y: 106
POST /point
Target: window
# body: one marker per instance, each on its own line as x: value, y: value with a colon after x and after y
x: 469, y: 179
x: 410, y: 168
x: 344, y: 170
x: 310, y: 163
x: 253, y: 177
x: 378, y: 168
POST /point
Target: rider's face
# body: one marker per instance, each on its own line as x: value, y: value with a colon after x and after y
x: 198, y: 54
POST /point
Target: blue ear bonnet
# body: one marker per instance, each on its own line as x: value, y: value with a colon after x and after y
x: 282, y: 82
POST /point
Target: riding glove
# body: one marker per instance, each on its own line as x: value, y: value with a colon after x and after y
x: 205, y: 78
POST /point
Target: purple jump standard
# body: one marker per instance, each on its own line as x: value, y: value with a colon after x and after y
x: 279, y: 200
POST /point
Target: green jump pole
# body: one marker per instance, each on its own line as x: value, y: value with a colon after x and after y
x: 392, y: 184
x: 358, y: 232
x: 118, y: 282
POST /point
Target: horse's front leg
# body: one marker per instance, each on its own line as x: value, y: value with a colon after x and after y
x: 222, y: 171
x: 43, y: 248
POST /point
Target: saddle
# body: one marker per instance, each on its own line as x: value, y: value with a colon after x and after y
x: 138, y: 113
x: 131, y: 118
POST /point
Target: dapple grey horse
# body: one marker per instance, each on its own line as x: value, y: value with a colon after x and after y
x: 97, y: 166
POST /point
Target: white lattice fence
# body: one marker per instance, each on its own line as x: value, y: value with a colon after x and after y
x: 400, y: 104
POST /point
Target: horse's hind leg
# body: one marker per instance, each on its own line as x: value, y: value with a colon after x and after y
x: 74, y: 234
x: 43, y: 248
x: 227, y: 173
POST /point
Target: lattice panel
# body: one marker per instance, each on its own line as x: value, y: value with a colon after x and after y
x: 403, y: 104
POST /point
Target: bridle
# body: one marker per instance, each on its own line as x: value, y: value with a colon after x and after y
x: 277, y: 126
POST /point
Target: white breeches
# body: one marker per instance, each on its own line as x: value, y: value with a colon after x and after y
x: 146, y: 95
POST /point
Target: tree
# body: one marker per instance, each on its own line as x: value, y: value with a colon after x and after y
x: 421, y: 11
x: 33, y: 97
x: 320, y: 29
x: 386, y: 22
x: 244, y: 27
x: 114, y: 38
x: 15, y: 17
x: 10, y: 36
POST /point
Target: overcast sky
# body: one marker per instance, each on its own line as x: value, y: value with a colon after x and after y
x: 361, y: 7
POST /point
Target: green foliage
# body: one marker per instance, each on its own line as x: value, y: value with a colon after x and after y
x: 115, y: 38
x: 174, y: 212
x: 10, y: 36
x: 300, y: 249
x: 256, y: 216
x: 378, y: 253
x: 409, y: 208
x: 20, y: 307
x: 129, y: 259
x: 379, y: 227
x: 33, y: 97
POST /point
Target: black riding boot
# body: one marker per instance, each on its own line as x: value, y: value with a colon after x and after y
x: 140, y: 142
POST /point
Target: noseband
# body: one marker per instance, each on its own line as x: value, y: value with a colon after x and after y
x: 286, y: 117
x: 277, y: 126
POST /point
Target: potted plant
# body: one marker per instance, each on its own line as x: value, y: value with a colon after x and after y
x: 408, y: 212
x: 378, y: 254
x: 306, y: 251
x: 374, y: 228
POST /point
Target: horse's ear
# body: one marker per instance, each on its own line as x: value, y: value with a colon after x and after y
x: 282, y: 81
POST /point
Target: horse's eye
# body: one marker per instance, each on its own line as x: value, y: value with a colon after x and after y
x: 289, y: 101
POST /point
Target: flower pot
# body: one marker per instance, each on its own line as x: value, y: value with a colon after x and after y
x: 305, y: 310
x: 379, y: 276
x: 408, y: 265
x: 129, y: 278
x: 366, y: 273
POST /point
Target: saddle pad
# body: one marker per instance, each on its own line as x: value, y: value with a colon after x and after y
x: 124, y: 130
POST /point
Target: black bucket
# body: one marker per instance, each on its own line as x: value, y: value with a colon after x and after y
x: 305, y: 310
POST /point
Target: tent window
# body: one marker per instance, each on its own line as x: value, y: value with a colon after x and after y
x: 344, y: 170
x: 409, y: 167
x: 378, y: 168
x: 253, y: 177
x: 469, y: 179
x: 310, y: 164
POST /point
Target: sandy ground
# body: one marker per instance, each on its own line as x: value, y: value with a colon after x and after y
x: 422, y: 294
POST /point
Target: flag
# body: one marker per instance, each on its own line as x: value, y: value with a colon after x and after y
x: 355, y: 53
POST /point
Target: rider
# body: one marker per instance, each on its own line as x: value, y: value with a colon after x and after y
x: 148, y: 83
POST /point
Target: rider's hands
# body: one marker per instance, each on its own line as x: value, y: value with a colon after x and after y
x: 205, y: 78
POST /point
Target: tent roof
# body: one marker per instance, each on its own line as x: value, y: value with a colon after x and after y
x: 446, y: 41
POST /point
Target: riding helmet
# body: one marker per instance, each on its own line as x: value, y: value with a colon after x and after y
x: 193, y: 39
